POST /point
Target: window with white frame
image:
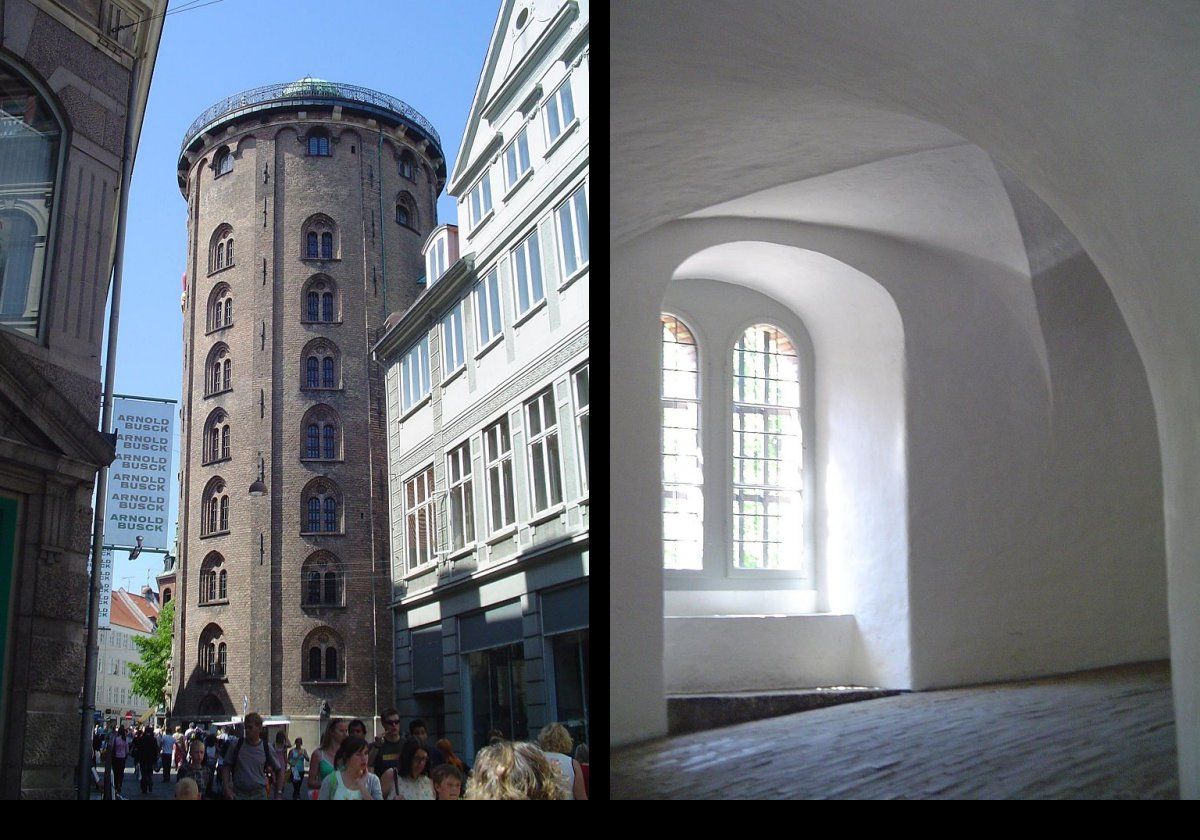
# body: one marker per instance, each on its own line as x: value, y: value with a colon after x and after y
x: 487, y: 308
x: 768, y: 511
x: 479, y: 202
x: 572, y: 219
x: 582, y: 420
x: 420, y: 518
x: 414, y: 374
x: 462, y: 497
x: 437, y: 259
x: 453, y: 341
x: 516, y: 160
x: 497, y: 447
x: 683, y: 480
x: 560, y: 111
x: 527, y: 274
x: 541, y: 427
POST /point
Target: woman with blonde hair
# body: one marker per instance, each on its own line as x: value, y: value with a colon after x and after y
x: 508, y: 770
x: 322, y: 762
x: 555, y: 741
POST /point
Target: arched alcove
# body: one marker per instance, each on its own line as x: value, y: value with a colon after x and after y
x: 851, y: 334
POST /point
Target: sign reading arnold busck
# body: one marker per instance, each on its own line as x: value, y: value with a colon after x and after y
x: 139, y: 485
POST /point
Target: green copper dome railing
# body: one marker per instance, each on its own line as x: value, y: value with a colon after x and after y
x: 308, y: 91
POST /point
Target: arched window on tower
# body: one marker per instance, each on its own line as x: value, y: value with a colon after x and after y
x: 408, y: 165
x: 320, y: 426
x: 224, y: 162
x: 220, y: 249
x: 213, y: 579
x: 683, y: 480
x: 321, y: 364
x: 322, y: 503
x: 406, y: 210
x: 215, y: 507
x: 324, y: 580
x: 319, y: 300
x: 216, y: 436
x: 320, y: 237
x: 318, y: 143
x: 219, y: 369
x: 321, y: 650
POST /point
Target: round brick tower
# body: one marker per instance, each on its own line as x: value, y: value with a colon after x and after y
x: 308, y: 203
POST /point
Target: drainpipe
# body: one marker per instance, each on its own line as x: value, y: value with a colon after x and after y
x: 110, y: 374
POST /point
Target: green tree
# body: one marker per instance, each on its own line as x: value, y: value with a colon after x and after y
x: 149, y: 679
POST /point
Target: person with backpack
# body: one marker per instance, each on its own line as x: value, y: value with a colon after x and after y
x: 249, y: 764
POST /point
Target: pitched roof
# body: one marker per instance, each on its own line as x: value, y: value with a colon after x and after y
x: 132, y: 611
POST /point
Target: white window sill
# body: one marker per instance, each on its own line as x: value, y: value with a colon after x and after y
x: 454, y: 374
x: 319, y: 388
x: 308, y: 460
x: 319, y: 323
x: 416, y: 407
x: 561, y: 138
x: 483, y: 351
x: 465, y: 551
x: 579, y: 272
x: 322, y: 533
x: 524, y: 176
x: 417, y: 571
x: 486, y: 217
x: 321, y: 259
x: 503, y: 534
x: 548, y: 514
x: 533, y: 310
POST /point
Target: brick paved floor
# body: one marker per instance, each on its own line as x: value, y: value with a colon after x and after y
x: 1107, y: 734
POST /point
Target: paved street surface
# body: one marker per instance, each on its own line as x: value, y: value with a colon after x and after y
x: 132, y: 788
x: 1096, y: 735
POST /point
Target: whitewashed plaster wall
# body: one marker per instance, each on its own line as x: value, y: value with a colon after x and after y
x: 860, y: 540
x: 1094, y: 106
x: 1019, y: 561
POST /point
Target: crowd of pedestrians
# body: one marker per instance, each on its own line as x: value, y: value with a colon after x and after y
x: 345, y: 765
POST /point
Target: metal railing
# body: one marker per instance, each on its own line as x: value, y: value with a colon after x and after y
x: 308, y: 90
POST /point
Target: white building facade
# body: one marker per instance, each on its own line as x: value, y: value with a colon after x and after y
x: 130, y: 617
x: 488, y: 407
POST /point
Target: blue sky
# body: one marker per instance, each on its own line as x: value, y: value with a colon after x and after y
x: 428, y: 54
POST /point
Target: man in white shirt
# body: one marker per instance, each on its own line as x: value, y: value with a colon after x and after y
x: 167, y: 748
